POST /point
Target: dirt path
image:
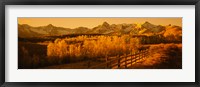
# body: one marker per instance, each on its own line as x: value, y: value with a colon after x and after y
x: 79, y: 65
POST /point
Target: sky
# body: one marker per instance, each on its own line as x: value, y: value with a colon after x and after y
x: 93, y: 22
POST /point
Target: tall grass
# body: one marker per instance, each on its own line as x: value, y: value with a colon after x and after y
x: 165, y: 56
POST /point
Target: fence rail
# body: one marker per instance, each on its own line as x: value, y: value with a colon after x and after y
x: 123, y: 61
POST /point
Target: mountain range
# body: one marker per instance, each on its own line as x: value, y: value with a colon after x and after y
x: 27, y: 31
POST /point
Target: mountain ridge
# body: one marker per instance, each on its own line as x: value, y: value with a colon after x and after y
x: 27, y: 31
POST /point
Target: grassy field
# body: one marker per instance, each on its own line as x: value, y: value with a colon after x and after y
x: 84, y: 51
x: 163, y: 56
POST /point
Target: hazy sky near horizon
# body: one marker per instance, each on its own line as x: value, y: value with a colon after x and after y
x: 93, y: 22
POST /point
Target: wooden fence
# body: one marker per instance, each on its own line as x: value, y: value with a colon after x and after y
x: 124, y: 61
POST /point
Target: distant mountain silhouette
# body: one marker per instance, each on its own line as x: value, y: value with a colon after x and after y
x: 26, y: 31
x: 102, y: 29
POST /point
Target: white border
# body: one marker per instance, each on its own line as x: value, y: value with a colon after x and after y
x: 187, y: 74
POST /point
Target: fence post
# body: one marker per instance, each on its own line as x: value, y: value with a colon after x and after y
x: 142, y: 54
x: 118, y: 61
x: 131, y: 57
x: 125, y: 60
x: 146, y: 53
x: 107, y: 62
x: 88, y: 64
x: 139, y: 55
x: 135, y: 56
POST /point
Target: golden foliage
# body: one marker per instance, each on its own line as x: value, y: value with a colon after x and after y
x: 92, y: 46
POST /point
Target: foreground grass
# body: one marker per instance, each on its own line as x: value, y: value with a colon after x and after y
x: 163, y: 56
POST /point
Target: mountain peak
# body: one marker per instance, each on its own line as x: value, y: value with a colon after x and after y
x: 146, y: 22
x: 24, y: 25
x: 105, y: 24
x: 49, y: 25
